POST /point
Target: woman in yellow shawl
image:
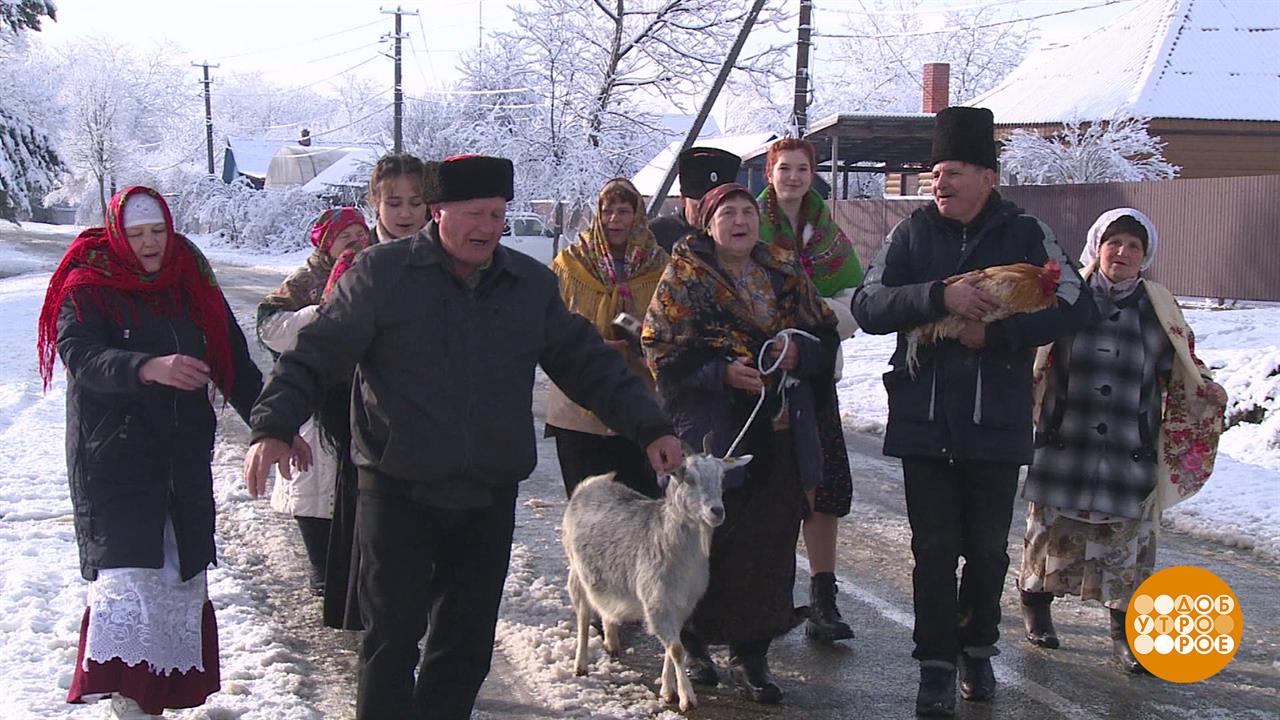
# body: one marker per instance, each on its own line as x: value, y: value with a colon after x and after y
x: 613, y: 268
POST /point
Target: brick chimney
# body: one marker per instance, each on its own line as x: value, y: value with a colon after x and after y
x: 937, y: 87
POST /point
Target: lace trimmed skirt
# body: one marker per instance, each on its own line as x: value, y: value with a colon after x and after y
x: 149, y: 636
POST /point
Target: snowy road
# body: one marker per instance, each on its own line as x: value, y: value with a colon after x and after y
x: 277, y: 662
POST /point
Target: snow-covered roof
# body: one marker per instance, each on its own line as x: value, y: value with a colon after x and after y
x: 650, y: 177
x: 253, y: 155
x: 1192, y: 59
x: 351, y: 170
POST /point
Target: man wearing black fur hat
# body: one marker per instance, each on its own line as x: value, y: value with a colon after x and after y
x: 962, y: 422
x: 699, y: 169
x: 444, y: 330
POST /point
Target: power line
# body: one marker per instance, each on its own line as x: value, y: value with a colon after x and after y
x: 300, y: 42
x: 501, y: 91
x: 995, y: 23
x: 940, y: 10
x: 357, y: 121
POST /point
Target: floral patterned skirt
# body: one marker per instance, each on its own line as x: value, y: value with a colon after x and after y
x: 1104, y: 561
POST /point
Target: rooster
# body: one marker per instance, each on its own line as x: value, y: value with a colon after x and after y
x: 1021, y: 287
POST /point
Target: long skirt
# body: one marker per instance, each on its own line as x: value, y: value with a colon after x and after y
x: 148, y: 635
x: 1104, y: 561
x: 753, y: 554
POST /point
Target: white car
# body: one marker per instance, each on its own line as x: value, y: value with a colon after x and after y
x: 526, y: 232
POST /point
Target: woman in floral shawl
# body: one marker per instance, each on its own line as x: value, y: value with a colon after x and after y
x: 723, y: 296
x: 1127, y: 424
x: 613, y: 268
x: 137, y: 317
x: 337, y: 235
x: 795, y: 217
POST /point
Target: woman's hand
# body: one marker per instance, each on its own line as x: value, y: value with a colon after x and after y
x: 180, y: 371
x: 790, y: 358
x: 257, y: 464
x: 743, y: 377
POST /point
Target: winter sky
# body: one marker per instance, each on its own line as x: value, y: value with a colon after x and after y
x: 301, y: 42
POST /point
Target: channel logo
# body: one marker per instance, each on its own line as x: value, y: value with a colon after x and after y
x: 1184, y: 624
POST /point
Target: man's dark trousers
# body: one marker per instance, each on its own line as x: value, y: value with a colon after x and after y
x: 441, y: 571
x: 958, y: 508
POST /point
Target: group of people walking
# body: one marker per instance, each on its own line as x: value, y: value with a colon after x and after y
x: 398, y: 414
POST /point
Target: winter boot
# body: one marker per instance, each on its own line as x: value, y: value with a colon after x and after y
x: 315, y: 538
x: 1120, y: 650
x: 937, y: 694
x: 750, y: 671
x: 825, y: 623
x: 698, y: 664
x: 977, y: 679
x: 123, y: 708
x: 1038, y: 620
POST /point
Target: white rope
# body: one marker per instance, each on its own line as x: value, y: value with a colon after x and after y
x: 785, y: 382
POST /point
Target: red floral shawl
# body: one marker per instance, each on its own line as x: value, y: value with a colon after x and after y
x: 101, y: 258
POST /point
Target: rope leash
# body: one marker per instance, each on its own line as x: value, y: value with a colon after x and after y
x: 787, y: 381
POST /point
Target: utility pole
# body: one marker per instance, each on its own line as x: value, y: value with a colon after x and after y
x: 800, y: 115
x: 208, y: 111
x: 655, y: 203
x: 398, y: 120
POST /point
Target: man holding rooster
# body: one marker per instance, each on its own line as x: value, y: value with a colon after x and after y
x: 972, y: 285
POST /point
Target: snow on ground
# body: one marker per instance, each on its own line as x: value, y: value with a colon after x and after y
x: 36, y: 228
x: 1240, y: 505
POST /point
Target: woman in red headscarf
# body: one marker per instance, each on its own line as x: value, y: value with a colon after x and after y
x: 337, y: 235
x: 141, y: 326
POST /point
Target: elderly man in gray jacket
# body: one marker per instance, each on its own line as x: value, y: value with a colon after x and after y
x: 444, y: 331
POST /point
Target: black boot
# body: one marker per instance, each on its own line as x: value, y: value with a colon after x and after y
x: 937, y: 694
x: 977, y: 679
x: 749, y: 668
x: 1120, y: 650
x: 824, y: 621
x: 315, y: 538
x: 1038, y: 620
x: 698, y: 664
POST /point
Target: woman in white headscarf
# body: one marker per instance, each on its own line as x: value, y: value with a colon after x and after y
x: 1127, y: 424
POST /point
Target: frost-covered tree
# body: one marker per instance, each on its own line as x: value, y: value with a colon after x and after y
x: 18, y: 15
x: 29, y: 163
x: 1120, y: 149
x: 244, y: 217
x: 128, y: 119
x: 878, y: 65
x: 596, y: 71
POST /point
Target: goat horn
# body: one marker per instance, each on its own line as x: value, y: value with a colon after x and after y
x: 706, y: 443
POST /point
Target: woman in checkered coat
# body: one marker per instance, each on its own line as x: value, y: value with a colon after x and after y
x: 1127, y: 423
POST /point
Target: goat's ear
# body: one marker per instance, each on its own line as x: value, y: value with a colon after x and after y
x: 733, y: 462
x: 688, y: 449
x: 676, y: 476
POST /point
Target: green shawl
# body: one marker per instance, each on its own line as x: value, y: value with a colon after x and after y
x: 826, y: 253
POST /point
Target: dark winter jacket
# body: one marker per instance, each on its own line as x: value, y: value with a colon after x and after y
x: 668, y: 229
x: 964, y: 404
x: 444, y: 372
x: 137, y: 452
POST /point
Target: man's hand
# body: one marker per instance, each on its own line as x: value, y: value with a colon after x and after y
x: 743, y: 377
x: 665, y: 454
x: 180, y: 371
x: 970, y: 302
x: 300, y: 453
x: 973, y: 334
x: 257, y: 464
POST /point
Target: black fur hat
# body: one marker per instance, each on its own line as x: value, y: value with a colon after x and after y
x: 702, y: 168
x: 966, y: 134
x: 466, y: 177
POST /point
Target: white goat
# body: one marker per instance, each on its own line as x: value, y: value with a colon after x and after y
x: 634, y: 558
